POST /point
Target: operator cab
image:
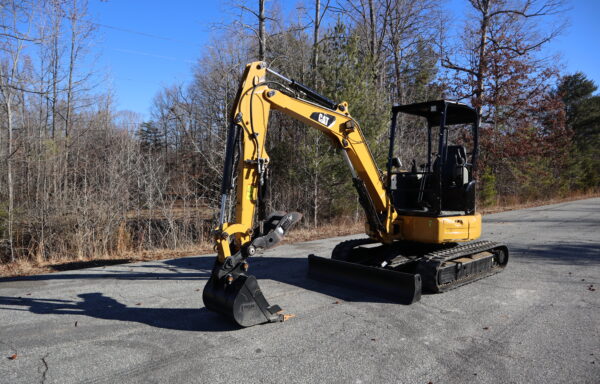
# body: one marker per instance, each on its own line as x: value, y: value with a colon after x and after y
x: 443, y: 184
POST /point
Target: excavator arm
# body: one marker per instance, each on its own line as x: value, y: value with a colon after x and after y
x: 230, y: 290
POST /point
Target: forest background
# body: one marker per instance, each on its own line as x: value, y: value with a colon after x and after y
x: 80, y: 180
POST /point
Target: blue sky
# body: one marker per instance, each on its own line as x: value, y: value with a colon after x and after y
x: 147, y: 44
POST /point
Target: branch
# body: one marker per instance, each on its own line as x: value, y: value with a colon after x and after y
x: 20, y: 37
x: 242, y: 7
x: 547, y: 9
x: 446, y: 63
x: 325, y: 8
x: 16, y: 88
x: 524, y: 50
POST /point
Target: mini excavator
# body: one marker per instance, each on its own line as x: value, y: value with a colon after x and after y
x: 421, y: 223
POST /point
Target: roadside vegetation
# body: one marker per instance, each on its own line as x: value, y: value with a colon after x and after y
x: 82, y: 182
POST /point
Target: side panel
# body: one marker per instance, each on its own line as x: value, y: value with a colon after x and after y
x: 439, y: 230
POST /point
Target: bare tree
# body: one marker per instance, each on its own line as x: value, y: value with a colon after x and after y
x: 317, y: 21
x: 16, y: 24
x: 371, y: 19
x: 253, y: 20
x: 81, y: 31
x: 499, y: 28
x: 262, y: 36
x: 410, y: 29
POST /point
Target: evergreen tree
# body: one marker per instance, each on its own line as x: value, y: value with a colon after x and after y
x: 583, y: 117
x: 150, y: 136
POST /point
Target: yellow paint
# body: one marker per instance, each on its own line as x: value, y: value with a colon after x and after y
x: 250, y: 194
x: 441, y: 229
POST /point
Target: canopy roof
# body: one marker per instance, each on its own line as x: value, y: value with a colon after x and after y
x: 456, y: 113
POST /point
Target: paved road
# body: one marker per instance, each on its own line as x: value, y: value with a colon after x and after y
x: 536, y: 322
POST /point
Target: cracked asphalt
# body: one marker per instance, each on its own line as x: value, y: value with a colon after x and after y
x: 536, y: 322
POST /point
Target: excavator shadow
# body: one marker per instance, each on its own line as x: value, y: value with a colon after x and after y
x: 292, y: 271
x: 100, y: 306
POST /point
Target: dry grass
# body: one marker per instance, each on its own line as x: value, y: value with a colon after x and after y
x: 24, y: 267
x: 31, y: 267
x: 339, y: 227
x: 514, y: 203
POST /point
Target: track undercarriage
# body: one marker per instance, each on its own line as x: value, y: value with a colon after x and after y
x: 402, y: 270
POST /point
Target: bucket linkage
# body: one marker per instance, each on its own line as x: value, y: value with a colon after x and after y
x: 235, y: 294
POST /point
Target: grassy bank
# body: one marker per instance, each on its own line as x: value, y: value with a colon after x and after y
x: 340, y: 227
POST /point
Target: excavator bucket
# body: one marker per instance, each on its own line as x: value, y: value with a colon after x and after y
x: 241, y: 300
x: 233, y: 293
x: 398, y: 287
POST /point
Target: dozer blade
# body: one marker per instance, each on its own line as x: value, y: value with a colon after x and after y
x: 399, y: 287
x: 242, y: 301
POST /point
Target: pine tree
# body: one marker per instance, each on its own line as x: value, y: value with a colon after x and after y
x: 150, y: 136
x: 583, y: 117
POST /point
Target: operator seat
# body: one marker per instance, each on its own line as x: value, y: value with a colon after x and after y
x: 458, y: 190
x: 455, y: 172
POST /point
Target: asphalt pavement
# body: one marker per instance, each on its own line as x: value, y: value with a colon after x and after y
x: 536, y: 322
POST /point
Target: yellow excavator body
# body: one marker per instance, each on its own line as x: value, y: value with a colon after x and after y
x: 417, y: 217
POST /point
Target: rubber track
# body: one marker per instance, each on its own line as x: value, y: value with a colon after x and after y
x: 429, y: 265
x: 343, y: 251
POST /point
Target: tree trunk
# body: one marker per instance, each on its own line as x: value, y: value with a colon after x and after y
x: 372, y: 28
x: 315, y: 47
x: 71, y: 68
x: 55, y: 77
x: 9, y: 177
x: 397, y: 72
x: 261, y: 30
x: 485, y: 8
